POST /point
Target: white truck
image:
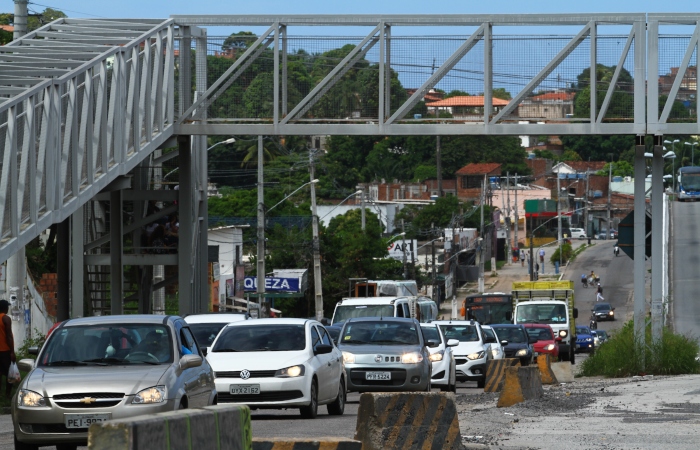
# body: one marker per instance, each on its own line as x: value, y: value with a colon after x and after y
x: 552, y: 303
x: 418, y: 307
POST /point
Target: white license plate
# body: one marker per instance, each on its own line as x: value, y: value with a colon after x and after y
x: 377, y: 375
x: 244, y: 389
x: 84, y: 420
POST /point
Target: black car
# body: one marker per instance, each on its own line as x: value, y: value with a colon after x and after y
x: 334, y: 331
x: 603, y: 311
x: 519, y: 342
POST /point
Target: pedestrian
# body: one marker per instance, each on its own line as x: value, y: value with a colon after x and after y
x: 7, y: 346
x: 522, y: 258
x: 542, y: 256
x: 599, y: 297
x: 599, y: 289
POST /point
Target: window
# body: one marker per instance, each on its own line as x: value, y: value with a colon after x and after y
x: 315, y: 338
x: 325, y: 338
x: 188, y: 342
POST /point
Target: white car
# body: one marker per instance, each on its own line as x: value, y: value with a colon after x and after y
x: 206, y: 327
x: 578, y: 233
x: 495, y: 346
x: 471, y: 353
x: 444, y: 373
x: 279, y: 363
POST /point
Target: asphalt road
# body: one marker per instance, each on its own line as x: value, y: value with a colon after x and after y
x: 685, y: 267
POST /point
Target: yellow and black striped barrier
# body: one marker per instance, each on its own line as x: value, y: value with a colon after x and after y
x: 495, y: 373
x: 411, y: 420
x: 306, y: 444
x: 522, y: 383
x: 544, y: 363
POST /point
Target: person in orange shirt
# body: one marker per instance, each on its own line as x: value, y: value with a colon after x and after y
x: 7, y: 345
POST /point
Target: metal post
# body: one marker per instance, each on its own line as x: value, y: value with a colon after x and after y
x: 532, y: 254
x: 432, y: 251
x: 509, y: 251
x: 261, y: 226
x: 405, y: 269
x: 439, y: 167
x: 517, y: 224
x: 609, y: 226
x: 116, y: 271
x: 186, y: 230
x: 20, y: 19
x: 77, y: 263
x: 362, y: 196
x: 318, y: 291
x: 585, y: 216
x: 657, y: 205
x: 481, y: 238
x: 63, y: 256
x: 202, y: 266
x: 559, y: 236
x: 639, y: 248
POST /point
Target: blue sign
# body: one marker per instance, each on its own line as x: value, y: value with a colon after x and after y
x: 250, y: 284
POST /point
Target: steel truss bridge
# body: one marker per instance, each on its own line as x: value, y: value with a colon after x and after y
x: 93, y: 111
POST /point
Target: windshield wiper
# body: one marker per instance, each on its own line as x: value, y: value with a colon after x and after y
x: 67, y: 363
x: 225, y: 350
x: 105, y: 361
x: 263, y: 349
x: 353, y: 341
x: 389, y: 341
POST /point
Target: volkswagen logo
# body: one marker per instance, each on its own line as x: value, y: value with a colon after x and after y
x: 245, y: 374
x: 378, y: 358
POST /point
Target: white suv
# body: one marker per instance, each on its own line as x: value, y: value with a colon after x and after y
x: 472, y: 352
x: 578, y: 233
x: 444, y: 373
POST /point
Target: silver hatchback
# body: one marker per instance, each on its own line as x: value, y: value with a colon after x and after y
x: 95, y: 369
x: 385, y: 354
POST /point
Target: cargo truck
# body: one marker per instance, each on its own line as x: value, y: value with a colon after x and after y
x: 552, y: 303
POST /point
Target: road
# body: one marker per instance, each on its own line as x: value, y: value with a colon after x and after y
x: 685, y: 267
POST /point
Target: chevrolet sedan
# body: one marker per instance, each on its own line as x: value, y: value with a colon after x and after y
x: 279, y: 363
x: 94, y: 369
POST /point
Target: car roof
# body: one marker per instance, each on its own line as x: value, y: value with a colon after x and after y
x: 379, y: 319
x: 274, y: 321
x: 536, y: 325
x: 506, y: 325
x: 123, y: 318
x: 603, y: 304
x: 455, y: 322
x: 370, y: 300
x: 215, y: 317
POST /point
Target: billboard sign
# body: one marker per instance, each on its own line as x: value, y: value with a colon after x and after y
x: 272, y: 284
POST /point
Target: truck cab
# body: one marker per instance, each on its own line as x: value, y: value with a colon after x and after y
x: 417, y: 307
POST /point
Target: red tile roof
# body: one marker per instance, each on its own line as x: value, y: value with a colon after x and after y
x: 466, y: 100
x: 554, y: 96
x: 9, y: 28
x: 478, y: 168
x: 582, y: 166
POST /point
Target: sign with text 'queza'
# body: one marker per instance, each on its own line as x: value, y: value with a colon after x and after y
x: 250, y: 284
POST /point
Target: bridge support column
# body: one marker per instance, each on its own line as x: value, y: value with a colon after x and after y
x: 77, y: 267
x: 116, y: 250
x: 640, y: 245
x: 63, y: 269
x: 185, y: 234
x: 657, y: 217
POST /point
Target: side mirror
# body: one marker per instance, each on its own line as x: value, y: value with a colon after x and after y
x: 613, y: 309
x: 25, y: 365
x: 33, y: 350
x: 189, y: 361
x: 504, y: 342
x: 323, y: 349
x: 531, y: 340
x: 432, y: 343
x: 452, y: 342
x: 204, y: 350
x: 575, y: 313
x: 489, y: 340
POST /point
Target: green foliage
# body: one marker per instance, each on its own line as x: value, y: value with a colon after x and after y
x: 37, y: 341
x: 619, y: 357
x: 599, y: 148
x: 424, y: 172
x: 570, y: 155
x: 501, y: 93
x: 47, y: 16
x: 546, y: 154
x: 566, y: 253
x: 619, y: 169
x: 458, y: 151
x: 456, y: 93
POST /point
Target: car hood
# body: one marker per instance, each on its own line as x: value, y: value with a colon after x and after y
x: 540, y: 345
x: 51, y: 381
x: 581, y: 337
x: 383, y: 349
x: 516, y: 346
x: 467, y: 348
x: 224, y: 361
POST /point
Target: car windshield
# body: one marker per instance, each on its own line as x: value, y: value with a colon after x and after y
x: 205, y: 333
x: 334, y: 332
x: 463, y: 333
x: 583, y: 330
x: 261, y: 338
x: 543, y: 313
x: 690, y: 181
x: 601, y: 307
x: 602, y: 334
x: 345, y: 312
x: 541, y: 334
x: 514, y: 335
x: 381, y: 333
x: 489, y: 313
x: 108, y: 344
x: 431, y: 334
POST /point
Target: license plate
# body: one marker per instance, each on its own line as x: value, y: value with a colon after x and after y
x: 244, y: 389
x: 84, y: 420
x: 377, y: 375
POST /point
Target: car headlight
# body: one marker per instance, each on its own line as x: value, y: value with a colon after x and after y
x: 563, y: 333
x: 412, y: 358
x: 589, y: 339
x: 348, y: 358
x: 521, y: 352
x: 611, y: 313
x: 155, y: 394
x: 290, y: 372
x: 30, y: 398
x: 549, y: 347
x: 437, y: 356
x: 477, y: 355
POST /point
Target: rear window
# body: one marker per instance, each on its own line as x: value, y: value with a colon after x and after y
x: 541, y: 334
x: 345, y: 312
x: 512, y: 335
x: 463, y: 333
x: 205, y: 333
x: 380, y: 332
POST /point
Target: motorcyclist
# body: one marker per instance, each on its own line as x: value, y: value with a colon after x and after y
x: 584, y: 280
x: 616, y: 250
x: 594, y: 278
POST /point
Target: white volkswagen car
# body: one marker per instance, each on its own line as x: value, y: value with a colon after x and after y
x: 279, y: 363
x: 471, y: 353
x: 444, y: 373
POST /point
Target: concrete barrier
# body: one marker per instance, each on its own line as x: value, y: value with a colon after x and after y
x: 544, y: 363
x: 210, y: 428
x: 410, y: 420
x: 564, y: 371
x: 522, y: 383
x: 306, y: 444
x: 495, y: 373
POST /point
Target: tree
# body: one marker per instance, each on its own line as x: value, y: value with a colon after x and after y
x: 240, y: 40
x: 619, y: 169
x: 35, y: 21
x: 622, y: 101
x: 597, y: 147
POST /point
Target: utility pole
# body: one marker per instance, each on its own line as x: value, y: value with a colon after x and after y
x: 480, y: 252
x: 405, y: 269
x: 559, y: 236
x: 261, y: 226
x: 20, y: 19
x: 609, y: 199
x: 506, y: 219
x: 432, y: 250
x: 318, y: 292
x: 362, y: 196
x: 439, y: 167
x: 585, y: 211
x: 532, y: 253
x: 517, y: 223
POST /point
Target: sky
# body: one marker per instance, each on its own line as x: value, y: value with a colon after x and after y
x: 164, y: 8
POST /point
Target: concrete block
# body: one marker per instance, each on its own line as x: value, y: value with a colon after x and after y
x: 564, y: 371
x: 522, y: 383
x: 495, y: 373
x: 544, y: 363
x: 306, y: 444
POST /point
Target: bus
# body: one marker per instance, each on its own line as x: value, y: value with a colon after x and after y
x: 688, y: 183
x: 489, y: 308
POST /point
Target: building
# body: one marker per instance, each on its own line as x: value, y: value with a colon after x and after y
x: 470, y: 179
x: 227, y: 276
x: 465, y: 107
x: 550, y: 105
x: 689, y: 83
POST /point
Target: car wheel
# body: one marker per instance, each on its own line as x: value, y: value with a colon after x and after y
x: 24, y: 446
x: 311, y: 410
x: 337, y: 407
x: 66, y: 446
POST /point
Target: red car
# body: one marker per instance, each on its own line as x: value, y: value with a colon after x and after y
x: 546, y: 343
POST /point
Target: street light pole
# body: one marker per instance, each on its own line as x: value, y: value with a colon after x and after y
x: 261, y: 226
x: 692, y: 152
x: 227, y: 141
x: 318, y: 292
x: 558, y: 219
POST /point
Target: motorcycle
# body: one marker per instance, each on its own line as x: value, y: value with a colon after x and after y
x: 593, y: 324
x: 584, y: 282
x: 616, y: 250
